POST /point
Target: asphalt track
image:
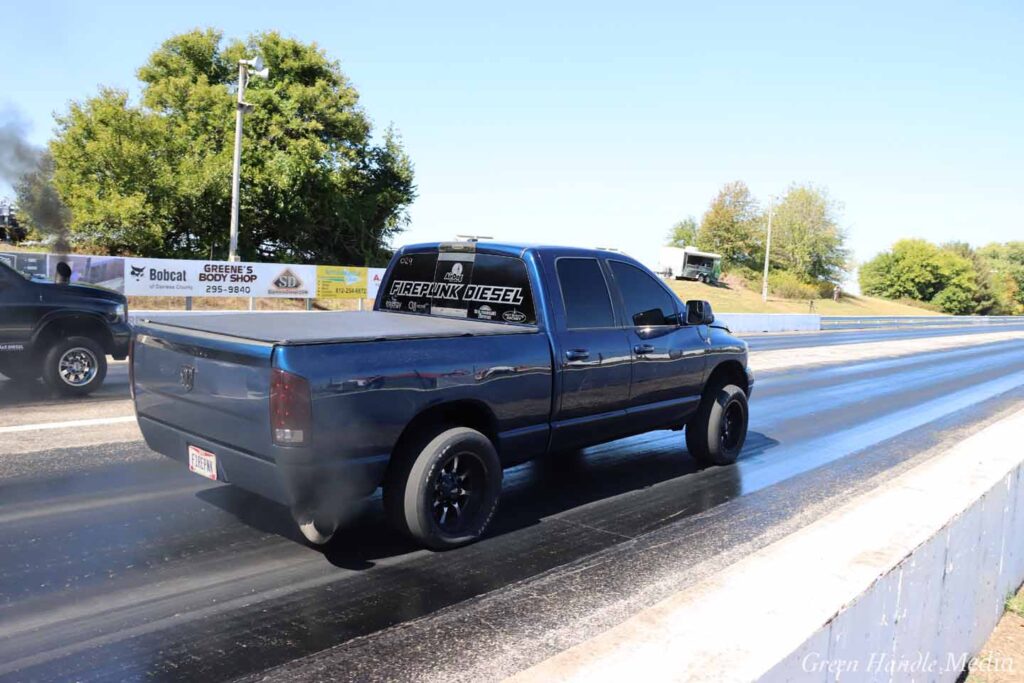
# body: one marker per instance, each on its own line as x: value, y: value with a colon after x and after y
x: 118, y: 564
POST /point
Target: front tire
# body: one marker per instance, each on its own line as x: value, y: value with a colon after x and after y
x: 443, y: 491
x: 75, y: 366
x: 716, y: 433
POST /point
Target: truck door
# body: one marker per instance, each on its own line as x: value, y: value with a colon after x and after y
x: 668, y: 357
x: 17, y: 311
x: 591, y: 354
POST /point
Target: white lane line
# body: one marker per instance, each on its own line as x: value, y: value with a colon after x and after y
x: 68, y: 424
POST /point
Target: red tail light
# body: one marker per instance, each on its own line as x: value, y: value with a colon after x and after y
x: 291, y: 411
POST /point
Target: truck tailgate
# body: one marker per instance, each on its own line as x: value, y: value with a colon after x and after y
x: 213, y: 386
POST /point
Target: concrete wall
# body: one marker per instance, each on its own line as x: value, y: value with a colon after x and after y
x: 934, y: 611
x: 770, y: 322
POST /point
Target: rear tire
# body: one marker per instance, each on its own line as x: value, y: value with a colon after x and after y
x: 716, y: 433
x: 75, y: 366
x: 443, y: 491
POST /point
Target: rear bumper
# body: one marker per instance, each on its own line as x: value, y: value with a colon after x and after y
x: 324, y: 489
x: 233, y: 466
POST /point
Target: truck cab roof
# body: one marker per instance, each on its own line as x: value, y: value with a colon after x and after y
x: 517, y: 249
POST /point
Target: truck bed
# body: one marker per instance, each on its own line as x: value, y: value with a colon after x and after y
x: 300, y: 327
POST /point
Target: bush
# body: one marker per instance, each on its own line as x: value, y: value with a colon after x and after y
x: 786, y: 285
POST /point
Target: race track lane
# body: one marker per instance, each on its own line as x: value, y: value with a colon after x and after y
x: 136, y: 569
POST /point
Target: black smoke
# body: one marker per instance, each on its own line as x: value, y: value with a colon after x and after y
x: 29, y: 169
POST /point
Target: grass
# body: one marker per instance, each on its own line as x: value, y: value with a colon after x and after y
x: 734, y: 298
x: 1015, y: 603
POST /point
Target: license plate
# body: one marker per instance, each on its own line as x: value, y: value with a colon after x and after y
x: 203, y: 463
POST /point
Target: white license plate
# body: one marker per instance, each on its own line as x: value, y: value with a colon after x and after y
x: 203, y: 463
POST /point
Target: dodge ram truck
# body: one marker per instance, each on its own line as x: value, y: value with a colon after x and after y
x: 476, y: 356
x: 61, y: 332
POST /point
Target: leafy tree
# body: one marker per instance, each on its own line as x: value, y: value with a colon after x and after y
x: 806, y: 237
x: 732, y: 226
x: 1005, y: 265
x: 684, y: 233
x: 155, y: 178
x: 917, y: 269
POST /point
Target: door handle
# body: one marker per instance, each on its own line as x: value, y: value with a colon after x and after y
x: 642, y: 349
x: 577, y: 354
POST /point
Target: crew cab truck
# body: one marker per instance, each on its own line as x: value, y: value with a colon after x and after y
x: 61, y: 332
x: 475, y: 357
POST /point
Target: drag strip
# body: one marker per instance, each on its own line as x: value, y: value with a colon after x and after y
x: 116, y: 563
x: 796, y: 340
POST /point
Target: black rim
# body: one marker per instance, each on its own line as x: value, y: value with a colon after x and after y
x: 731, y: 430
x: 458, y: 491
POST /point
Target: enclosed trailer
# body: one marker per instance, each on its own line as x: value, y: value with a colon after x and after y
x: 687, y: 263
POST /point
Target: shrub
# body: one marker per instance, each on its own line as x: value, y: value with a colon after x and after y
x: 786, y: 285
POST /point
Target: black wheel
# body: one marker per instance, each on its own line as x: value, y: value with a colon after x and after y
x: 443, y: 491
x: 715, y: 434
x: 75, y: 366
x: 20, y: 368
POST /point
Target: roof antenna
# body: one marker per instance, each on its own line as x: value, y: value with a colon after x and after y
x: 473, y: 238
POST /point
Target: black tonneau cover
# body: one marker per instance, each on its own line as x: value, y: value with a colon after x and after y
x: 299, y: 327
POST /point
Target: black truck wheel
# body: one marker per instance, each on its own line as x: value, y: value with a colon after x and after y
x: 443, y: 491
x: 21, y: 368
x: 75, y: 366
x: 715, y: 434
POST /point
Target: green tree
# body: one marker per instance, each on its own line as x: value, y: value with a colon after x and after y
x: 919, y: 270
x: 155, y: 178
x: 732, y: 226
x: 1004, y: 264
x: 684, y: 233
x: 806, y: 237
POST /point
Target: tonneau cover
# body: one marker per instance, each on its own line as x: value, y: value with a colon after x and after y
x: 300, y: 327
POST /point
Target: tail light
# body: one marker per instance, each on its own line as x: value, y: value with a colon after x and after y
x: 291, y: 412
x: 131, y: 366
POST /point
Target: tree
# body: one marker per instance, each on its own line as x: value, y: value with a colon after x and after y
x: 731, y: 226
x: 154, y: 178
x: 919, y: 270
x: 1005, y: 265
x: 806, y: 237
x: 684, y: 233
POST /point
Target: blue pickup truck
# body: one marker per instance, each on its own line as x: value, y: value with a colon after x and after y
x: 476, y: 357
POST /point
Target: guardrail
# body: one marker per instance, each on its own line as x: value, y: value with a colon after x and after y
x: 854, y: 322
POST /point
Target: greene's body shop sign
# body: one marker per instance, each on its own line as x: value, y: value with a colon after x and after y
x: 173, y: 277
x: 167, y: 277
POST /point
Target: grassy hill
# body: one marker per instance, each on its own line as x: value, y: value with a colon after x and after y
x: 735, y: 298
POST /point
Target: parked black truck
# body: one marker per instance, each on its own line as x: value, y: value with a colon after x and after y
x: 477, y: 356
x: 59, y: 332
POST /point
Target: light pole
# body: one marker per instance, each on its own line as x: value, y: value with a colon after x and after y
x: 241, y: 109
x: 767, y: 249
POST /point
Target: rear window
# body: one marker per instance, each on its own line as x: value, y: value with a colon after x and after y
x: 461, y: 285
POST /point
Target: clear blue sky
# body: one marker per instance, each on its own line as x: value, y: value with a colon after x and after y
x: 602, y: 123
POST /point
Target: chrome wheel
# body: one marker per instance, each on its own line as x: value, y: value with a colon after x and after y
x: 77, y: 367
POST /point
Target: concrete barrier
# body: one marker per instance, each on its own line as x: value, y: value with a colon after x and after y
x: 770, y: 322
x: 859, y: 322
x: 903, y: 583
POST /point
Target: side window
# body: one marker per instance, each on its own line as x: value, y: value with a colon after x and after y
x: 584, y: 293
x: 647, y: 302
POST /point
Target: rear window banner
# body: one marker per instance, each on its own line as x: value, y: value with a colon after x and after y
x: 341, y: 282
x: 173, y: 277
x: 475, y: 286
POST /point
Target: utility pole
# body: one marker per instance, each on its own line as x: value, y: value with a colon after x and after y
x: 241, y: 109
x: 767, y: 249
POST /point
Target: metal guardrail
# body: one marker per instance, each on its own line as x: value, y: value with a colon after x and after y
x: 854, y: 322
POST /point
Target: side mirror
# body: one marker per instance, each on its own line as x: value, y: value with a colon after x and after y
x: 699, y: 313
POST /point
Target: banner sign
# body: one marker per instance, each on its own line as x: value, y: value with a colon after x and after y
x: 173, y: 277
x: 177, y: 277
x: 340, y: 282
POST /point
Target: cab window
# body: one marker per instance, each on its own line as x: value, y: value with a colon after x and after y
x: 647, y: 303
x: 584, y: 293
